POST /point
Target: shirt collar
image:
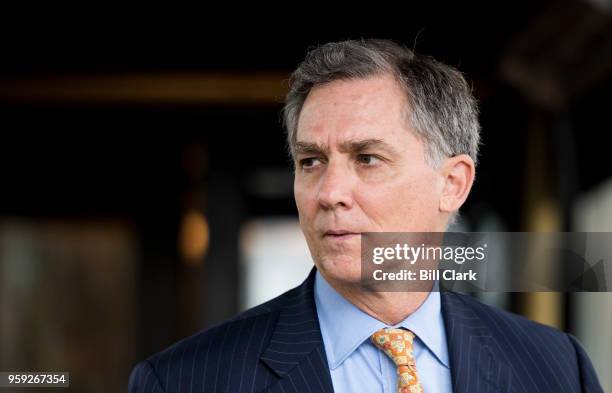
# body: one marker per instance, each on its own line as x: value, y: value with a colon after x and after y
x: 336, y: 314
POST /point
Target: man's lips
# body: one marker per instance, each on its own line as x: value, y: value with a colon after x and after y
x: 340, y: 233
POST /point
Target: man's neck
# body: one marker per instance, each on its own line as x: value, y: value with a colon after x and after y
x: 388, y: 307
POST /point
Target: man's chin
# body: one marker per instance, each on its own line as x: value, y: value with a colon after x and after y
x: 341, y: 269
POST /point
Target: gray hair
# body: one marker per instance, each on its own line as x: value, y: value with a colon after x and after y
x: 441, y: 107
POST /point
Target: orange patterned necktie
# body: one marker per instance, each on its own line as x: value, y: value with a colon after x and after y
x: 397, y: 344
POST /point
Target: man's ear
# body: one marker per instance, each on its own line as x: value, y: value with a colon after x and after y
x: 458, y: 176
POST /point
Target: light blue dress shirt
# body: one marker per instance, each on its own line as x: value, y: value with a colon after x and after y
x: 357, y: 366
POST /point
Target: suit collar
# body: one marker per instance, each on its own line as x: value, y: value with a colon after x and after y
x: 477, y: 363
x: 335, y: 312
x: 295, y: 351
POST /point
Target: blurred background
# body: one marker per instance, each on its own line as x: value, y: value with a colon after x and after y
x: 146, y: 192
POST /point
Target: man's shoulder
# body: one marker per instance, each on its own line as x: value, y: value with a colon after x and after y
x: 256, y: 324
x: 533, y: 350
x: 514, y: 332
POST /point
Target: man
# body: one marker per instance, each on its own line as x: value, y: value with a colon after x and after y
x: 383, y: 140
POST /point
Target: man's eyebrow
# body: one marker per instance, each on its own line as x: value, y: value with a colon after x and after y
x: 351, y: 146
x: 309, y: 148
x: 365, y: 144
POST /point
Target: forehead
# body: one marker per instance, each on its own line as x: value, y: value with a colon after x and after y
x: 355, y: 108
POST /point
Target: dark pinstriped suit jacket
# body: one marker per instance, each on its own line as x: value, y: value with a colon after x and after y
x: 277, y: 347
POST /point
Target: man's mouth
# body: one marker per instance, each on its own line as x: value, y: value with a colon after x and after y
x: 340, y: 234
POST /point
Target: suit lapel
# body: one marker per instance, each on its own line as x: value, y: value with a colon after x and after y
x: 477, y: 364
x: 295, y: 352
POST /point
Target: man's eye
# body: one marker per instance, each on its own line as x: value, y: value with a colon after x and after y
x: 367, y: 159
x: 308, y: 162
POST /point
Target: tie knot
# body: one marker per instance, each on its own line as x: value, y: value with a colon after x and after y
x: 397, y: 344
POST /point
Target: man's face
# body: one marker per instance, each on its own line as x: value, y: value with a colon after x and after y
x: 360, y: 168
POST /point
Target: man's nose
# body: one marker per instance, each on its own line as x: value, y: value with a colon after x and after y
x: 336, y: 188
